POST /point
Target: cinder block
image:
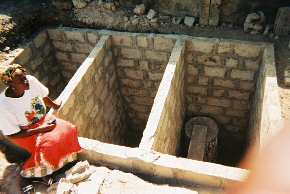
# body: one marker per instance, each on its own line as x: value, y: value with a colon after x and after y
x: 238, y: 94
x: 156, y: 56
x: 214, y: 72
x: 211, y: 110
x: 131, y: 53
x: 197, y: 90
x: 219, y: 102
x: 122, y: 40
x: 247, y: 50
x: 134, y: 74
x: 162, y: 43
x: 75, y: 35
x: 232, y: 63
x: 224, y: 47
x: 242, y: 75
x: 142, y: 41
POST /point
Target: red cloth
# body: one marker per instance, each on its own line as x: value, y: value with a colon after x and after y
x: 55, y: 145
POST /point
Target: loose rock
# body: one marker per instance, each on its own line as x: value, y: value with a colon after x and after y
x: 254, y: 23
x: 139, y: 9
x: 151, y: 14
x: 289, y: 45
x: 177, y: 20
x: 79, y: 4
x: 189, y: 21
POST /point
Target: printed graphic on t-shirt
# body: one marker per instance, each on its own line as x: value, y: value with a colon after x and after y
x: 38, y: 111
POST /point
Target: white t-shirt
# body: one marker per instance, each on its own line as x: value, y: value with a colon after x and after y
x: 25, y: 110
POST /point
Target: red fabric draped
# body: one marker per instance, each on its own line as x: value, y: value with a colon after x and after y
x: 55, y: 145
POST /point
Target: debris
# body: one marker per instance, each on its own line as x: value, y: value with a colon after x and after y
x: 139, y: 9
x: 267, y: 30
x: 151, y: 14
x: 189, y: 21
x: 177, y: 20
x: 135, y: 21
x: 110, y: 6
x: 254, y: 23
x: 79, y: 4
x: 6, y: 49
x: 282, y: 21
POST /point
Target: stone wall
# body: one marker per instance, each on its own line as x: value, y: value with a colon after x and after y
x: 38, y: 58
x: 140, y: 62
x: 71, y: 49
x: 96, y: 110
x: 221, y: 78
x: 164, y: 126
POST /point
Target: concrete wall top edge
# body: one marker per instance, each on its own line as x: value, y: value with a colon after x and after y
x: 170, y: 36
x: 163, y: 165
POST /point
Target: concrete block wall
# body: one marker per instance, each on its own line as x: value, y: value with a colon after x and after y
x: 71, y: 47
x: 140, y: 62
x: 38, y: 58
x: 164, y: 126
x: 96, y: 110
x: 221, y: 77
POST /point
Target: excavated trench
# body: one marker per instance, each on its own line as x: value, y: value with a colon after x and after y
x: 139, y: 90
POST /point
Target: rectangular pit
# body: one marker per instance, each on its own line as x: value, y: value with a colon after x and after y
x: 122, y: 83
x: 123, y: 72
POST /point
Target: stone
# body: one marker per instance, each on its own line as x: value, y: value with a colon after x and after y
x: 122, y: 40
x: 110, y: 6
x: 189, y: 21
x: 151, y: 14
x: 209, y: 60
x: 75, y: 35
x: 252, y: 64
x: 125, y: 63
x: 92, y: 38
x: 79, y: 4
x: 239, y: 95
x: 214, y: 72
x: 131, y: 53
x: 289, y: 45
x: 254, y: 23
x: 197, y: 90
x: 219, y: 102
x: 211, y: 110
x: 202, y: 46
x: 224, y: 83
x: 224, y: 47
x: 156, y: 56
x: 134, y: 74
x: 247, y: 50
x: 242, y: 75
x: 177, y: 20
x: 161, y: 43
x: 139, y: 9
x: 231, y: 62
x: 142, y: 41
